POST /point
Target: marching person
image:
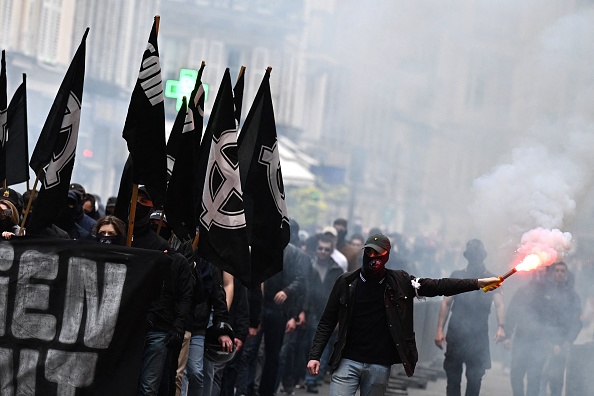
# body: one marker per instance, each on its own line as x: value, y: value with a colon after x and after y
x: 9, y: 219
x: 468, y: 330
x: 110, y: 230
x: 373, y: 307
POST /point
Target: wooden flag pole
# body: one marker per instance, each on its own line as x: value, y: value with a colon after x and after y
x: 241, y: 71
x: 132, y: 214
x: 28, y: 208
x: 195, y: 241
x: 157, y: 20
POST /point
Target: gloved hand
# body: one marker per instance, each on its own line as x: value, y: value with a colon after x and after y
x: 174, y: 338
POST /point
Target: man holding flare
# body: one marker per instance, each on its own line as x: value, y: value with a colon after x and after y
x: 373, y: 307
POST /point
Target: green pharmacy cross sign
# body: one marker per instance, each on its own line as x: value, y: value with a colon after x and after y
x: 177, y: 89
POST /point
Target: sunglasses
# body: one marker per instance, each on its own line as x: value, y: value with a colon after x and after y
x: 324, y: 249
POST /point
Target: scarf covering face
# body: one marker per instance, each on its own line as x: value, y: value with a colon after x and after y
x: 374, y: 267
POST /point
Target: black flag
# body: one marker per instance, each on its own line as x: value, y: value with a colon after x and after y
x: 223, y: 237
x: 3, y: 119
x: 17, y: 142
x: 196, y: 105
x: 124, y: 192
x: 53, y: 157
x: 238, y: 94
x: 180, y: 202
x: 144, y: 130
x: 263, y: 190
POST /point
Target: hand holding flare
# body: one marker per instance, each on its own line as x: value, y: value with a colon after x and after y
x: 490, y: 287
x: 529, y: 262
x: 489, y: 284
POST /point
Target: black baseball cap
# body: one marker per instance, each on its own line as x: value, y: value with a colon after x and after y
x: 13, y: 197
x: 79, y: 189
x: 378, y: 242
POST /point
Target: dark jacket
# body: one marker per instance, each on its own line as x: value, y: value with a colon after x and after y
x: 398, y: 298
x: 239, y: 315
x: 145, y: 238
x: 175, y: 300
x: 319, y: 291
x: 213, y: 298
x: 290, y: 280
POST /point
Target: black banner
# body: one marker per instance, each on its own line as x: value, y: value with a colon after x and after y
x: 73, y: 314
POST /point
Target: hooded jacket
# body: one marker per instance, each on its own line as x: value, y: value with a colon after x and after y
x: 399, y: 292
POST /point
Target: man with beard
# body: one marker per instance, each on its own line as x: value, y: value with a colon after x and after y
x: 468, y: 330
x: 373, y: 307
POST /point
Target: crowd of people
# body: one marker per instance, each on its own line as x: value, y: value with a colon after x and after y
x: 339, y: 306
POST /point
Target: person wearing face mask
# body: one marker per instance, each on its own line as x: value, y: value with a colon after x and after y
x: 143, y: 235
x: 109, y: 230
x: 66, y: 220
x: 9, y: 219
x: 373, y: 308
x: 468, y: 330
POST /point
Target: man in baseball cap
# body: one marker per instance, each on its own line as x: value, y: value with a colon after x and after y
x: 375, y: 305
x: 378, y: 242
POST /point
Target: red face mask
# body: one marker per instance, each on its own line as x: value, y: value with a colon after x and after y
x: 374, y: 267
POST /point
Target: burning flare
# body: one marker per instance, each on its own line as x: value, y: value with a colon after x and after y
x: 539, y: 247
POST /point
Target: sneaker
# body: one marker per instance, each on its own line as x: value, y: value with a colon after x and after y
x: 311, y: 388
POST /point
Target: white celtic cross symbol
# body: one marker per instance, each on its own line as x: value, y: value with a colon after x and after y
x: 270, y: 159
x: 222, y: 202
x: 70, y: 124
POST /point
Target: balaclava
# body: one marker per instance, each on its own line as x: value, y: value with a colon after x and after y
x: 375, y: 267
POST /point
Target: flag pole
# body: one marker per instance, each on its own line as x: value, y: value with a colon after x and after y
x: 195, y: 241
x: 28, y: 208
x: 132, y: 214
x: 241, y: 71
x: 157, y: 20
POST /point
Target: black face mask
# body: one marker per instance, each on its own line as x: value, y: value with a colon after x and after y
x: 109, y: 240
x: 143, y: 213
x: 6, y: 224
x: 374, y: 267
x: 66, y: 218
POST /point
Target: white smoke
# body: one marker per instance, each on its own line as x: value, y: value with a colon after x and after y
x: 538, y: 188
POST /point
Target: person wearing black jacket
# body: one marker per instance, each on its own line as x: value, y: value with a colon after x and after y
x: 239, y: 319
x: 212, y: 302
x: 283, y: 299
x: 373, y: 308
x: 165, y: 319
x: 324, y: 274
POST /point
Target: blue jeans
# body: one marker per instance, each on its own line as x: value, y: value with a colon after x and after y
x: 193, y: 381
x: 350, y: 375
x: 153, y: 360
x: 246, y: 372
